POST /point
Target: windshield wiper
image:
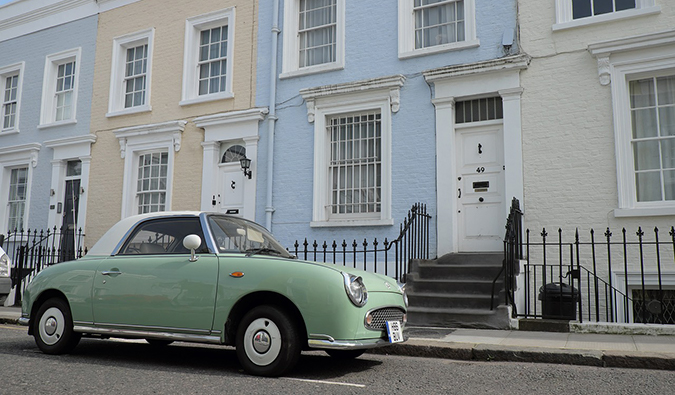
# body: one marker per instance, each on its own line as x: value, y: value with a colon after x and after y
x: 264, y: 250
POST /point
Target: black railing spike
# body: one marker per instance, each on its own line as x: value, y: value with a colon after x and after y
x: 640, y: 233
x: 608, y: 233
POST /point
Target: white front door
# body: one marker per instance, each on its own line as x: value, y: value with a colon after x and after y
x: 231, y: 187
x: 480, y: 188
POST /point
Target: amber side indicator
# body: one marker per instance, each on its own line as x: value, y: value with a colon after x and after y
x: 237, y: 274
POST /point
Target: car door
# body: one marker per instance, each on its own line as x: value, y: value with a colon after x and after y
x: 151, y: 284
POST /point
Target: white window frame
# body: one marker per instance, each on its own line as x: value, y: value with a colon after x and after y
x: 621, y: 61
x: 5, y: 72
x: 117, y: 72
x: 406, y: 31
x: 193, y: 28
x: 48, y: 109
x: 13, y: 157
x: 564, y: 19
x: 291, y: 42
x: 138, y: 140
x: 383, y: 95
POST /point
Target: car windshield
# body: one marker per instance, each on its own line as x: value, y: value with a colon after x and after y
x: 234, y: 234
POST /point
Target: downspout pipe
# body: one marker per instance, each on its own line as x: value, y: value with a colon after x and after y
x: 272, y: 116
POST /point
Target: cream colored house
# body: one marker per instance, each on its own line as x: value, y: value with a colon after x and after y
x: 173, y: 110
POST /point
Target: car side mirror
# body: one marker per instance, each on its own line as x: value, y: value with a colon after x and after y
x: 192, y: 242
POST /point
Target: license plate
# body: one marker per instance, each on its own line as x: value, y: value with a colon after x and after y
x: 394, y: 331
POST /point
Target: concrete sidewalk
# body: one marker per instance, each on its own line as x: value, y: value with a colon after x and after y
x: 590, y: 349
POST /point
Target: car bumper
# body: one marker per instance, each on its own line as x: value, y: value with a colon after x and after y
x: 5, y: 285
x: 332, y: 344
x: 24, y: 321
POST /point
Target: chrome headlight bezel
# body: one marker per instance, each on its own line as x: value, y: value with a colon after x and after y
x: 405, y: 294
x: 355, y: 289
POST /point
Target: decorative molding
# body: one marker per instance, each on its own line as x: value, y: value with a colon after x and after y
x: 603, y: 70
x: 174, y: 127
x: 516, y: 62
x: 254, y: 114
x: 392, y: 83
x: 603, y: 51
x: 25, y: 150
x: 87, y: 138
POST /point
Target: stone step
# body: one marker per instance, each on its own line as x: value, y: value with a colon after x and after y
x: 466, y: 272
x: 459, y: 318
x: 453, y: 286
x: 460, y: 301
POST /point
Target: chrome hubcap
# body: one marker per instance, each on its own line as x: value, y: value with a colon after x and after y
x: 262, y: 342
x: 50, y: 326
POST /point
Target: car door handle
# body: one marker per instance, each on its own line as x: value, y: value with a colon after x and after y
x: 110, y: 272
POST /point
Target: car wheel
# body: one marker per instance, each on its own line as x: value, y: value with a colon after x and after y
x: 53, y: 328
x: 345, y: 354
x: 158, y: 342
x: 267, y: 342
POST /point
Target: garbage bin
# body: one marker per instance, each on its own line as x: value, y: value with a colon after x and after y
x: 559, y: 301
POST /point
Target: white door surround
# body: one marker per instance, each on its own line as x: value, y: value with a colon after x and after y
x: 490, y: 78
x: 225, y: 128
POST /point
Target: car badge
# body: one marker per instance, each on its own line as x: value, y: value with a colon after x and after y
x: 387, y: 284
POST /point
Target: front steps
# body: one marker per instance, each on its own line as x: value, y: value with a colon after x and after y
x: 455, y: 291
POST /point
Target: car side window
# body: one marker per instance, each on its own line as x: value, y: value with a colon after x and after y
x: 163, y: 236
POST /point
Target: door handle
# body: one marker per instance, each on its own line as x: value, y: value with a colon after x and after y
x: 110, y: 272
x: 459, y: 190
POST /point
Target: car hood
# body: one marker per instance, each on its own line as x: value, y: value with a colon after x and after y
x: 374, y: 282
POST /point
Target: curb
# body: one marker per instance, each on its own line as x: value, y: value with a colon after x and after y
x: 488, y: 352
x: 9, y: 321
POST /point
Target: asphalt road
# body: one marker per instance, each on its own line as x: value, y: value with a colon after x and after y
x: 134, y: 367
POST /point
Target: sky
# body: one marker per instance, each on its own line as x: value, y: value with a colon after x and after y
x: 3, y: 2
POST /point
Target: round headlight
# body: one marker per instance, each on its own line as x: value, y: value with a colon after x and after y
x: 355, y: 289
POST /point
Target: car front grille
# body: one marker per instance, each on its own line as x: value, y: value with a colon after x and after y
x: 381, y: 316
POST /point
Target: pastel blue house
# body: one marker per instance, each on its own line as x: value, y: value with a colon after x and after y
x: 377, y: 105
x: 47, y: 52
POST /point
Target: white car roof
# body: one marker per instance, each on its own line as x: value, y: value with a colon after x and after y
x: 106, y: 244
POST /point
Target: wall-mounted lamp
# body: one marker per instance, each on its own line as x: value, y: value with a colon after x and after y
x: 81, y: 190
x: 51, y: 192
x: 245, y: 166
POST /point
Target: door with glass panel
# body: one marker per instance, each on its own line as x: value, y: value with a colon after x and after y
x: 71, y: 206
x: 231, y: 181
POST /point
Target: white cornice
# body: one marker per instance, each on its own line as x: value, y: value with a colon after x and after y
x: 31, y: 150
x: 394, y: 81
x: 603, y: 50
x: 254, y: 114
x: 27, y: 16
x: 515, y: 62
x: 606, y: 48
x: 392, y: 84
x: 86, y: 139
x: 175, y: 128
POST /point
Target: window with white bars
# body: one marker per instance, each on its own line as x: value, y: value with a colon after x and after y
x: 355, y: 167
x: 65, y: 80
x: 586, y: 8
x: 208, y: 62
x: 16, y: 203
x: 213, y: 60
x: 652, y: 104
x: 59, y: 89
x: 151, y: 183
x: 317, y: 31
x: 10, y: 102
x: 438, y: 22
x: 478, y: 110
x: 135, y: 73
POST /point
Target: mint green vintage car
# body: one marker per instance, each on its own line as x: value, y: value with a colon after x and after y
x: 212, y: 278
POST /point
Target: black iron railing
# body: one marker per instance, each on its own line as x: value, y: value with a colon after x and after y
x: 391, y: 258
x: 513, y: 253
x: 31, y: 251
x: 625, y: 278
